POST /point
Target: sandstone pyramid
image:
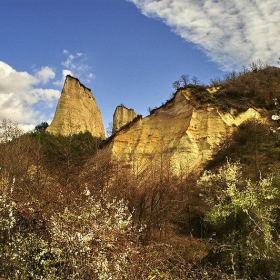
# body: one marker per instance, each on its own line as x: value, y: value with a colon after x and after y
x: 122, y: 116
x: 76, y: 111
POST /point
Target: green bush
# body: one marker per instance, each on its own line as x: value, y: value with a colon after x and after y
x: 243, y: 214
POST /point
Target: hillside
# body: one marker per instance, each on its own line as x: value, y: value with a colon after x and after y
x: 191, y: 127
x: 184, y: 131
x: 191, y: 191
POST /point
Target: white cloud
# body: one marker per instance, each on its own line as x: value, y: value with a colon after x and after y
x: 46, y: 95
x: 14, y: 108
x: 76, y: 66
x: 69, y: 61
x: 19, y: 91
x: 27, y: 127
x: 45, y: 74
x: 232, y: 33
x: 13, y: 81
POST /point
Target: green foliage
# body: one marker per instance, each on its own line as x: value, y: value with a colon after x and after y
x: 255, y: 86
x: 75, y: 148
x: 41, y: 127
x: 202, y: 94
x: 254, y: 145
x: 243, y: 213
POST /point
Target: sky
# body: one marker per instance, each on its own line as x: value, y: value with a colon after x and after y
x: 126, y: 51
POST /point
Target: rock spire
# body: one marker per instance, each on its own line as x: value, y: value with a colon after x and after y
x: 122, y: 116
x: 76, y: 111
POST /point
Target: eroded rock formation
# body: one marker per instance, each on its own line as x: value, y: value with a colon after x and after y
x: 180, y: 133
x: 77, y: 111
x: 122, y: 116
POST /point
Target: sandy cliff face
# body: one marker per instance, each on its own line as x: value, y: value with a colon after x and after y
x: 180, y: 133
x: 76, y: 111
x: 122, y: 116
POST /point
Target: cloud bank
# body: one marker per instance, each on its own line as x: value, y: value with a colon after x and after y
x: 231, y: 33
x: 20, y: 91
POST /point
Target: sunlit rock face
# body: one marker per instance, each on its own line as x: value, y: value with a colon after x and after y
x: 77, y: 111
x: 181, y: 133
x: 122, y: 116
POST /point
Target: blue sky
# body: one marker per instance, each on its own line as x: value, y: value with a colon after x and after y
x: 126, y: 51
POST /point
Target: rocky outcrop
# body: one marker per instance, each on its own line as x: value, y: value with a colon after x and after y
x: 122, y: 116
x: 76, y: 111
x: 180, y: 133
